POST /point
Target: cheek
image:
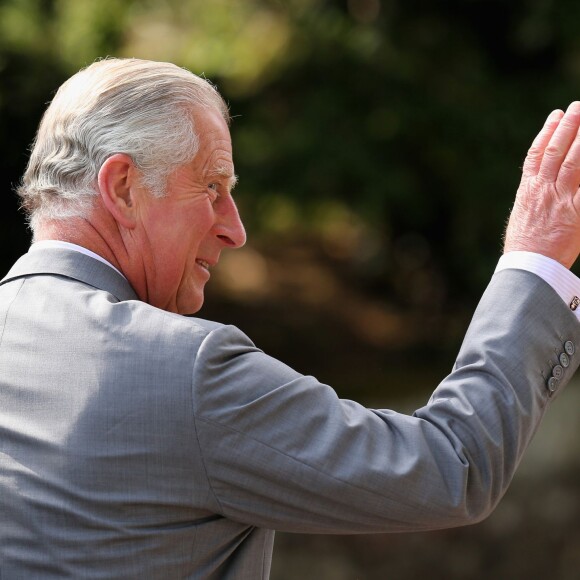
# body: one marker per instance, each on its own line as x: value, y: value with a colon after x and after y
x: 188, y: 228
x: 179, y: 232
x: 203, y: 220
x: 198, y: 232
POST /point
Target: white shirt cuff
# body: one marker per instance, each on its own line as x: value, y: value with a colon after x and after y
x: 566, y: 284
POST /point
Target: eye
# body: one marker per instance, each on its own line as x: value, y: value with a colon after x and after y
x: 214, y: 193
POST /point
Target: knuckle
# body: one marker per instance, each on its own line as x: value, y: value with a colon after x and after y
x: 570, y: 121
x: 553, y: 150
x: 534, y: 152
x: 568, y: 167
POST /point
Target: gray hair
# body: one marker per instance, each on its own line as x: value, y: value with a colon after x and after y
x: 141, y: 108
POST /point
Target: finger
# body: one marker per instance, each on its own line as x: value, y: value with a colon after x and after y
x: 536, y: 152
x: 569, y: 174
x: 560, y: 143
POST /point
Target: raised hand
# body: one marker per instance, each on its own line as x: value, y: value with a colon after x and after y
x: 546, y: 215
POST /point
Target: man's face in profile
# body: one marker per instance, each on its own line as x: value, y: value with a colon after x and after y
x: 184, y: 232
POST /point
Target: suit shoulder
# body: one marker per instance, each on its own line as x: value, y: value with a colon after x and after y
x: 156, y: 320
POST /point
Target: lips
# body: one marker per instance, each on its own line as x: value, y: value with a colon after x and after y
x: 203, y: 264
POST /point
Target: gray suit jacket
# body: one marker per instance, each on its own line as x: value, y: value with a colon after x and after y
x: 135, y: 443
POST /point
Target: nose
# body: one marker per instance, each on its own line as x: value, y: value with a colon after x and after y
x: 229, y: 227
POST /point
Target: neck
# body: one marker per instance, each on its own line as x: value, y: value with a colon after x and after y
x: 100, y: 234
x: 82, y: 233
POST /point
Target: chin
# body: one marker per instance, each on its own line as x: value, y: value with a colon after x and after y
x: 191, y: 306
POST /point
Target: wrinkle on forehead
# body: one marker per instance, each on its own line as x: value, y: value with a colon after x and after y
x: 214, y: 158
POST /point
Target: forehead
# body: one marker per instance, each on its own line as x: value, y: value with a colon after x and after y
x: 215, y: 145
x: 212, y: 129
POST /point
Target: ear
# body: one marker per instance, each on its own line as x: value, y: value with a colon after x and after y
x: 117, y: 185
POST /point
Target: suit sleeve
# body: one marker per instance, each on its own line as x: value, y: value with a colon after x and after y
x: 283, y: 452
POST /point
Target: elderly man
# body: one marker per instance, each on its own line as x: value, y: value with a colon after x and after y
x: 139, y: 443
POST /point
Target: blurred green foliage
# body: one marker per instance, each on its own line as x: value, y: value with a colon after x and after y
x: 390, y: 134
x: 405, y: 121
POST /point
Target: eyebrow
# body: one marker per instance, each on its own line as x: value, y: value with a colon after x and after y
x: 225, y: 172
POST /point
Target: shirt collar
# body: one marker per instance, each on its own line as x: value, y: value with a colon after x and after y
x: 68, y: 246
